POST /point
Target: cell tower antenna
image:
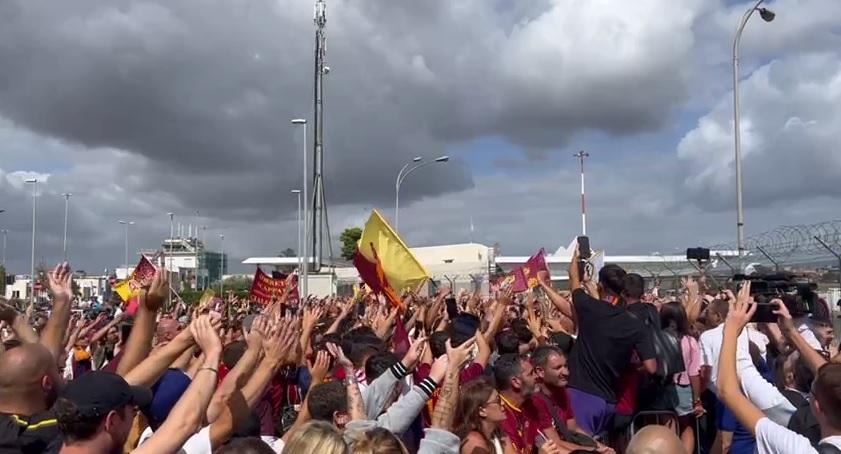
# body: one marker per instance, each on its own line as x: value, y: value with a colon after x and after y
x: 318, y: 201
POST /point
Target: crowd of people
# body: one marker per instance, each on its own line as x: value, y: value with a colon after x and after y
x: 608, y: 367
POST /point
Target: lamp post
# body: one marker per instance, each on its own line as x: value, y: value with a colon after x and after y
x: 404, y: 172
x: 304, y: 254
x: 168, y: 266
x: 34, y: 182
x: 767, y: 15
x: 4, y: 231
x: 298, y: 193
x: 222, y: 268
x: 126, y: 224
x: 66, y: 211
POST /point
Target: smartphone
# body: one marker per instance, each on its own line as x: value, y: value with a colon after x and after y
x: 452, y: 307
x: 584, y: 254
x: 584, y: 247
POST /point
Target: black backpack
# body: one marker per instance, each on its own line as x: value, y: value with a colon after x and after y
x: 666, y: 347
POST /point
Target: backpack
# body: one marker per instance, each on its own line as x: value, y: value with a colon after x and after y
x: 666, y: 348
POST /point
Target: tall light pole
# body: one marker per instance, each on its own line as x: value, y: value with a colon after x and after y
x: 4, y: 231
x: 767, y: 15
x: 126, y: 224
x: 581, y: 155
x: 34, y: 182
x: 298, y: 193
x: 404, y: 172
x: 222, y: 267
x: 66, y: 212
x: 168, y: 266
x: 196, y: 252
x: 305, y: 253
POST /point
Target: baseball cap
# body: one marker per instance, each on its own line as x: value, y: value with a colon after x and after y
x: 97, y: 392
x: 167, y: 391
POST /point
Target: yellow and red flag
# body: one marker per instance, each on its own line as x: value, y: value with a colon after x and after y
x: 141, y: 277
x: 385, y: 263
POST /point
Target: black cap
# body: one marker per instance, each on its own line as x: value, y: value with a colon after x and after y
x: 96, y: 393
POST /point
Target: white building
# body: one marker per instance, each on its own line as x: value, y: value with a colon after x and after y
x: 88, y: 287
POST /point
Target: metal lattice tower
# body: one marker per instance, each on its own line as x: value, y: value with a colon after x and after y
x: 318, y: 200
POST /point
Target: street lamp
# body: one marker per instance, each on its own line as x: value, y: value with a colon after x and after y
x: 4, y: 232
x: 126, y: 224
x: 168, y: 266
x: 222, y: 268
x: 402, y: 176
x: 34, y: 182
x: 767, y: 15
x: 66, y: 210
x: 298, y: 193
x: 306, y: 216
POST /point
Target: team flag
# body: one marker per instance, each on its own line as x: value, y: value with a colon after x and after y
x: 141, y: 277
x: 534, y: 264
x: 265, y: 288
x: 384, y: 261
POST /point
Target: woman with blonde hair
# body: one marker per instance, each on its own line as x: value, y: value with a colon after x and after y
x: 378, y: 441
x: 478, y: 416
x: 316, y: 437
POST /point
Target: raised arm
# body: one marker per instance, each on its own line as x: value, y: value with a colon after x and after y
x: 104, y: 330
x: 153, y: 367
x: 729, y: 391
x: 237, y: 377
x: 809, y: 354
x: 60, y: 282
x: 445, y: 409
x: 187, y: 417
x: 139, y: 342
x: 564, y: 305
x: 574, y: 273
x: 18, y: 324
x: 356, y: 409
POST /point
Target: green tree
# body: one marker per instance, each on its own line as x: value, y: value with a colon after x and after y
x: 2, y: 280
x: 349, y: 237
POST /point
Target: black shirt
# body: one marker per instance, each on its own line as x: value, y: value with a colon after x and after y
x: 606, y: 336
x: 33, y: 435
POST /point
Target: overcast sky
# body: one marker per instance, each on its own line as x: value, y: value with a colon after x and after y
x: 139, y: 108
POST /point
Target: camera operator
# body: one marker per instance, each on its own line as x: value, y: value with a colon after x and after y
x: 826, y: 388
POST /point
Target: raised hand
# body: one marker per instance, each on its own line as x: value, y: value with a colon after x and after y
x: 742, y: 311
x: 337, y: 353
x: 158, y: 290
x: 459, y: 355
x: 319, y: 367
x: 784, y: 319
x: 206, y: 336
x: 254, y: 338
x: 416, y: 350
x: 310, y: 317
x: 61, y: 282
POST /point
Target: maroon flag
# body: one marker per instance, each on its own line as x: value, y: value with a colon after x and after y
x: 264, y: 288
x: 400, y: 340
x: 294, y: 295
x: 534, y: 264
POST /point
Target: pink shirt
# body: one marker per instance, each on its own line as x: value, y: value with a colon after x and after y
x: 691, y: 358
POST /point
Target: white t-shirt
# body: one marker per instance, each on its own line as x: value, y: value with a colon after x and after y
x: 772, y: 438
x: 763, y: 394
x: 804, y: 327
x: 197, y: 444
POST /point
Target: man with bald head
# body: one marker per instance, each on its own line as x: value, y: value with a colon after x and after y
x: 655, y: 440
x: 29, y: 384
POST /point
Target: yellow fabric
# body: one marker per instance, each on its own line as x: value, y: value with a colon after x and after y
x: 402, y: 270
x: 124, y: 290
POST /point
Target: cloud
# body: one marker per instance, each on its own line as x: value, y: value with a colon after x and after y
x: 143, y: 107
x: 790, y: 122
